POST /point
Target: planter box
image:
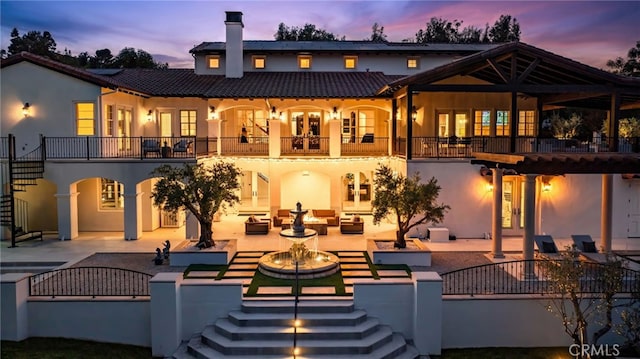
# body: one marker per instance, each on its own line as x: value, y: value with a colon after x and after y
x: 419, y: 255
x: 186, y: 253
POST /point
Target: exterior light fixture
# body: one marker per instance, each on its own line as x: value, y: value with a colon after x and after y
x: 273, y: 112
x: 26, y: 109
x: 398, y: 115
x: 546, y: 186
x: 334, y: 114
x: 414, y: 113
x: 149, y: 115
x: 212, y: 113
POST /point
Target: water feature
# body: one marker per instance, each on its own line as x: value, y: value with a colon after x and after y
x: 312, y: 263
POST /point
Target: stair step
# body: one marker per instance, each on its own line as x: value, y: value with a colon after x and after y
x: 285, y: 319
x: 278, y: 347
x: 231, y: 331
x: 287, y: 306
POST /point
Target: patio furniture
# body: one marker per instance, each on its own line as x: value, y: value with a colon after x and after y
x: 319, y: 225
x: 281, y: 214
x: 150, y: 146
x: 584, y: 243
x: 329, y: 215
x: 545, y: 244
x: 254, y: 225
x: 182, y: 146
x: 353, y: 225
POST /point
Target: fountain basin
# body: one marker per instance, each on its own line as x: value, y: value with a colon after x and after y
x: 317, y: 264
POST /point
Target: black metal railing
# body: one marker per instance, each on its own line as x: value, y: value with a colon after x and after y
x: 255, y: 146
x: 206, y: 146
x: 528, y: 277
x: 90, y: 282
x: 366, y: 146
x: 4, y: 147
x: 119, y: 147
x: 304, y: 145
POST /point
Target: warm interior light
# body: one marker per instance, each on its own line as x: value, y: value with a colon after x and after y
x: 149, y: 115
x: 546, y: 187
x: 212, y: 113
x: 297, y: 323
x: 414, y: 113
x: 296, y: 351
x: 489, y: 187
x: 273, y: 112
x: 25, y: 109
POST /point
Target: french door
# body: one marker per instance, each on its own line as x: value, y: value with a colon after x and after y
x: 512, y: 206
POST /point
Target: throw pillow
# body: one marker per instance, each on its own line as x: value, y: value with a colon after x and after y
x: 252, y: 219
x: 356, y: 218
x: 589, y: 247
x: 548, y: 247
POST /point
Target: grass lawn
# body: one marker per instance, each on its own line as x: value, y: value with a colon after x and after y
x: 55, y: 348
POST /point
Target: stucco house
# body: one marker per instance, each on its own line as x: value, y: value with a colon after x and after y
x: 78, y: 145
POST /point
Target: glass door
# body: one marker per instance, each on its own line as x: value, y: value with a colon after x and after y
x: 124, y: 128
x: 512, y: 206
x: 166, y: 121
x: 357, y: 191
x: 305, y: 130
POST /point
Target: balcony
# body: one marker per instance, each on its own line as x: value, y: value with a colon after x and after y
x: 299, y: 145
x: 89, y: 148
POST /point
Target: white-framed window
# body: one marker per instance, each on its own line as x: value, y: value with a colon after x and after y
x: 350, y: 62
x: 482, y: 123
x: 213, y: 62
x: 188, y: 122
x: 443, y: 124
x: 259, y: 62
x: 253, y: 122
x: 304, y: 61
x: 85, y: 119
x: 526, y: 123
x: 502, y: 123
x: 109, y: 120
x: 460, y: 124
x: 358, y: 124
x: 413, y: 62
x: 111, y: 194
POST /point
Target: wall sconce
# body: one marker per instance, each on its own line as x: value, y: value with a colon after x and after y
x: 398, y: 115
x: 334, y: 114
x: 149, y: 115
x: 281, y: 117
x: 414, y: 113
x: 212, y: 113
x: 273, y: 112
x: 26, y: 109
x: 546, y: 186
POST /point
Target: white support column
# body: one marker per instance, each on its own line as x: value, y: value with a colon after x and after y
x: 215, y: 131
x: 274, y: 137
x: 427, y: 321
x: 166, y: 314
x: 132, y: 212
x: 496, y: 214
x: 254, y: 189
x: 14, y: 320
x: 529, y: 216
x: 68, y: 213
x: 606, y: 213
x: 335, y: 138
x: 192, y: 230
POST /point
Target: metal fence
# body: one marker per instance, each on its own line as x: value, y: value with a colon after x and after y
x: 372, y: 146
x: 90, y: 282
x: 299, y: 145
x: 119, y: 147
x: 529, y: 277
x: 255, y: 146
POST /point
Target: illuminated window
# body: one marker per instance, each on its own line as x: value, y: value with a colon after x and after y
x: 502, y: 123
x: 304, y: 62
x: 526, y: 123
x: 357, y: 125
x: 255, y: 124
x: 109, y: 120
x: 461, y: 124
x: 482, y: 123
x: 350, y: 62
x: 259, y: 62
x: 443, y: 125
x: 213, y: 62
x: 111, y: 194
x: 85, y: 119
x: 413, y: 62
x: 187, y: 122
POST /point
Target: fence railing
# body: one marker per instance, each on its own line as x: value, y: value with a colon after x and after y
x: 90, y: 282
x: 4, y: 147
x: 366, y: 146
x: 119, y: 147
x: 256, y: 146
x: 304, y: 145
x: 527, y: 277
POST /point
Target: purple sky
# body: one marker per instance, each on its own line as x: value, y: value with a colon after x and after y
x: 591, y: 32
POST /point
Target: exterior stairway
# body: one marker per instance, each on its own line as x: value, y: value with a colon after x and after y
x: 328, y: 329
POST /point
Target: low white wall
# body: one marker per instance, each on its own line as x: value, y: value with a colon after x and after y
x: 124, y: 321
x: 392, y: 302
x: 204, y: 301
x: 505, y: 321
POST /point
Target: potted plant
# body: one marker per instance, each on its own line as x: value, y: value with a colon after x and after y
x: 411, y: 201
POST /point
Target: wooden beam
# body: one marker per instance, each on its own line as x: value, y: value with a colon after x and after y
x: 497, y: 69
x: 532, y: 66
x: 524, y: 88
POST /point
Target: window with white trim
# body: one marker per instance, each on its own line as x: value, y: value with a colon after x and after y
x: 413, y: 62
x: 526, y: 123
x: 188, y: 122
x: 350, y: 62
x: 259, y: 62
x: 502, y: 123
x: 304, y: 61
x: 213, y: 62
x: 109, y: 120
x: 482, y: 123
x: 85, y: 119
x: 111, y: 194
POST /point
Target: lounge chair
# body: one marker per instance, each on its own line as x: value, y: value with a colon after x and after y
x: 150, y: 146
x: 545, y: 244
x: 182, y: 146
x: 584, y: 243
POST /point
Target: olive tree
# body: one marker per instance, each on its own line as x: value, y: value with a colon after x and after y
x: 198, y: 188
x: 411, y: 201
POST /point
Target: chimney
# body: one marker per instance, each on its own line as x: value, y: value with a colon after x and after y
x: 234, y: 59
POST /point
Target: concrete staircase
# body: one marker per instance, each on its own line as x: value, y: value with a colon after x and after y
x: 329, y: 329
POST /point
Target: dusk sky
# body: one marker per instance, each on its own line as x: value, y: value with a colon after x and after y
x: 591, y: 32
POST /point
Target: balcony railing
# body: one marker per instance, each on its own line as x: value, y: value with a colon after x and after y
x: 299, y: 145
x: 255, y: 146
x: 374, y: 146
x: 119, y: 147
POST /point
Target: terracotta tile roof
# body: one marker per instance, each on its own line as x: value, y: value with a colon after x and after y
x: 184, y: 82
x: 59, y: 67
